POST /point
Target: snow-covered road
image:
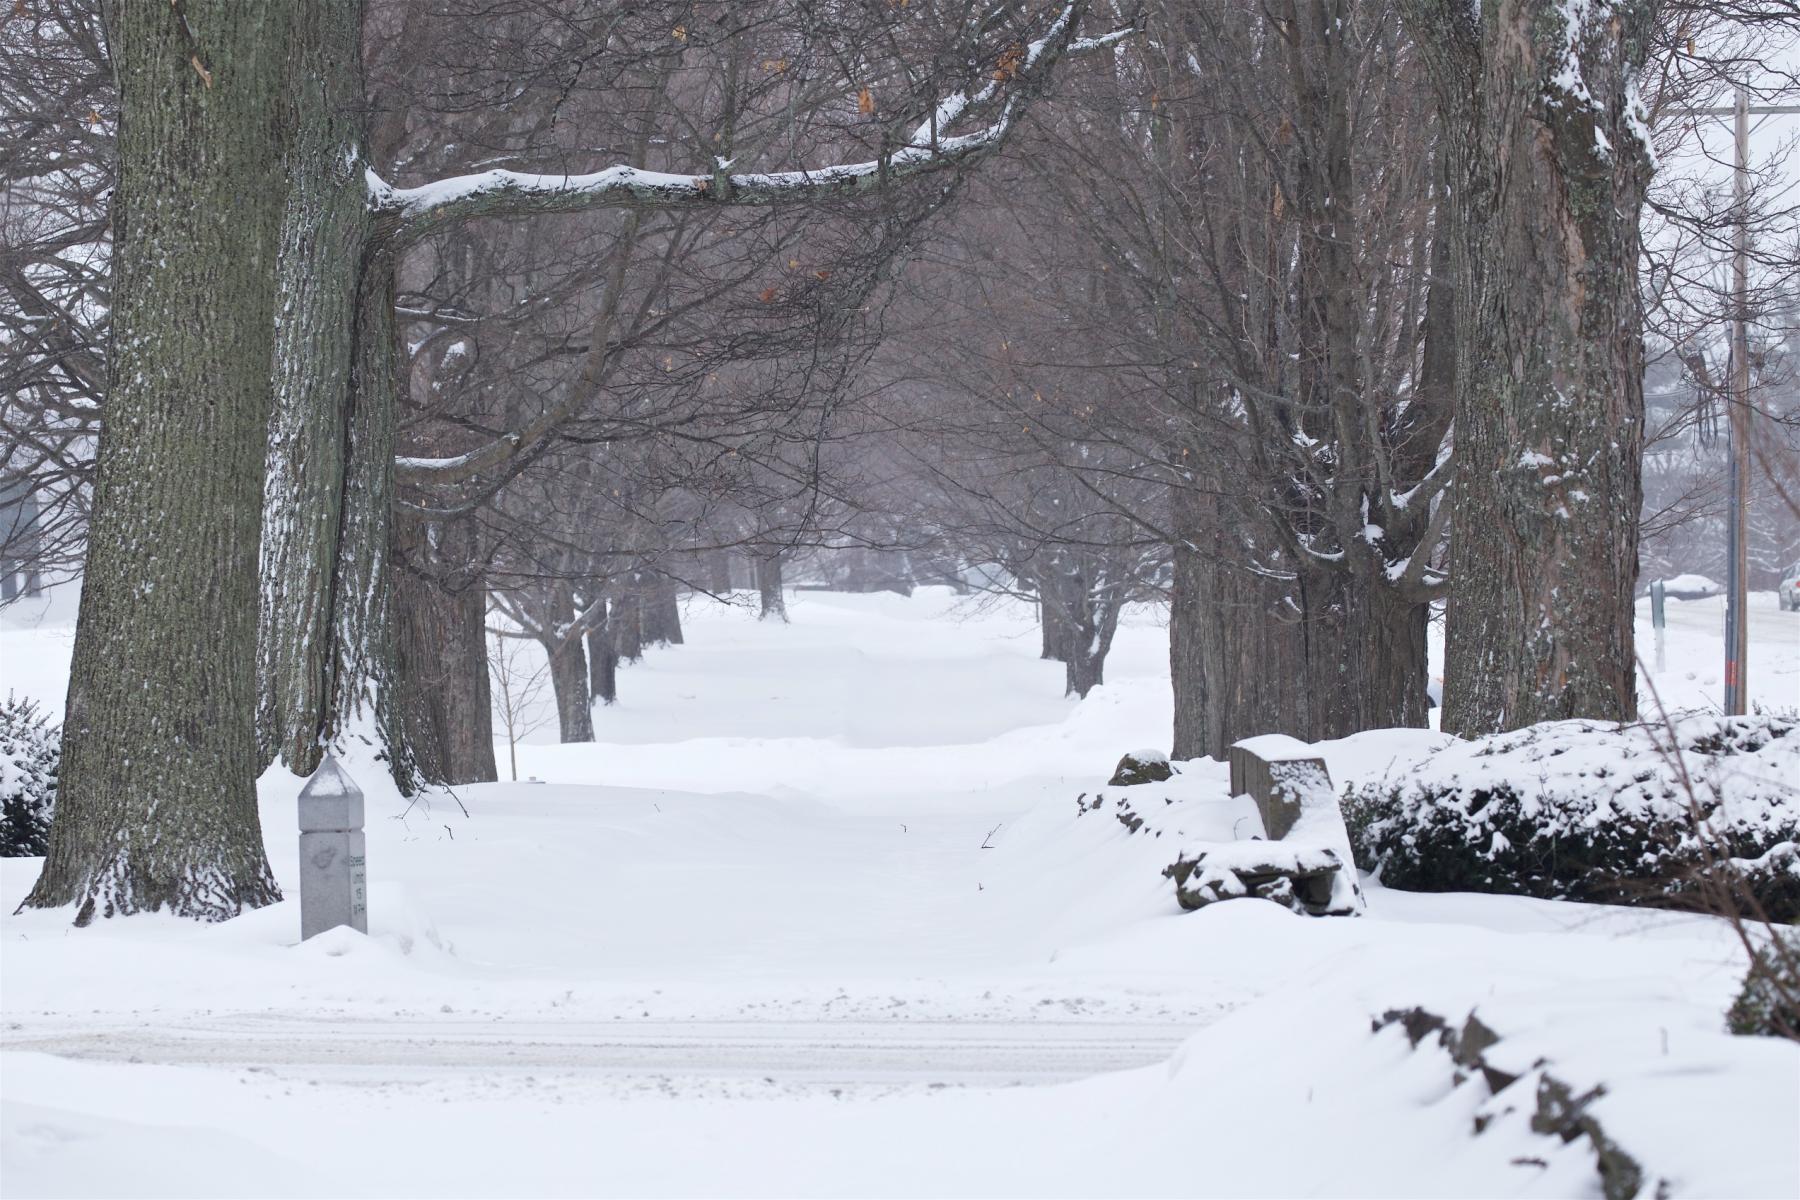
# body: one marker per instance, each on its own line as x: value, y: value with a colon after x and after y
x: 827, y: 1054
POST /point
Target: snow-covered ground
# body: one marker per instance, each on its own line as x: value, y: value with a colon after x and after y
x: 816, y: 916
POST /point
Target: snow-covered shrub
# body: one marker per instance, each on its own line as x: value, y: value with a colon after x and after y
x: 30, y: 753
x: 1769, y: 1004
x: 1587, y: 810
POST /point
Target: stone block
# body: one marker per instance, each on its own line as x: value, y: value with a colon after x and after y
x: 1281, y: 774
x: 334, y: 885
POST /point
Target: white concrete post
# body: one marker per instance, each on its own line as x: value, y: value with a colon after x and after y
x: 333, y: 878
x: 1659, y: 619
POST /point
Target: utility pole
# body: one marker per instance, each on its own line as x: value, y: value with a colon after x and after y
x: 1739, y: 413
x: 1737, y: 569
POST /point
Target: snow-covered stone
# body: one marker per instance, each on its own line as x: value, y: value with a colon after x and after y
x: 1299, y: 877
x: 1291, y: 785
x: 1141, y: 766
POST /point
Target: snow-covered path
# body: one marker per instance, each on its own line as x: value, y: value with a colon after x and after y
x: 814, y: 916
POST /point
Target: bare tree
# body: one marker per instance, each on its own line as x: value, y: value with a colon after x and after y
x: 518, y: 692
x: 58, y: 117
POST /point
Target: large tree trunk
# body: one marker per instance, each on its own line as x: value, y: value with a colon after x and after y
x: 338, y: 619
x: 1085, y: 667
x: 718, y: 571
x: 326, y: 226
x: 625, y: 618
x: 569, y: 677
x: 156, y: 802
x: 1237, y: 655
x: 662, y: 613
x: 550, y: 615
x: 1549, y: 171
x: 1364, y: 648
x: 442, y: 674
x: 1362, y: 633
x: 1192, y: 737
x: 1053, y: 628
x: 1079, y: 613
x: 361, y: 703
x: 603, y: 664
x: 326, y: 644
x: 769, y: 586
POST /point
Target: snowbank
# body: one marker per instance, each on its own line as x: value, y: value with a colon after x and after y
x: 816, y: 916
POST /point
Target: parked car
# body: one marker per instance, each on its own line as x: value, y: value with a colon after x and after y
x: 1788, y: 591
x: 1691, y: 587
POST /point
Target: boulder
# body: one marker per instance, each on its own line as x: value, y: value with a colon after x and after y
x: 1141, y: 766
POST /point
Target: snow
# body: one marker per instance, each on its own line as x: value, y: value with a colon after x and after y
x: 1691, y: 587
x: 455, y: 463
x: 1277, y: 747
x: 1255, y: 856
x: 749, y: 943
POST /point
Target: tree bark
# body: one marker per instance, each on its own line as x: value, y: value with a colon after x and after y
x: 625, y: 618
x: 1193, y: 733
x: 1085, y: 668
x: 770, y: 587
x: 1078, y: 607
x: 1347, y: 542
x: 662, y: 613
x: 1053, y: 628
x: 362, y: 700
x: 326, y: 649
x: 569, y: 677
x: 156, y: 803
x: 1237, y: 657
x: 325, y: 229
x: 1549, y: 169
x: 603, y: 665
x: 718, y: 571
x: 442, y: 674
x: 1364, y: 651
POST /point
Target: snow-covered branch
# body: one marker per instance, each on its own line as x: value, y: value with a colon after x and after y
x: 458, y: 466
x: 512, y: 193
